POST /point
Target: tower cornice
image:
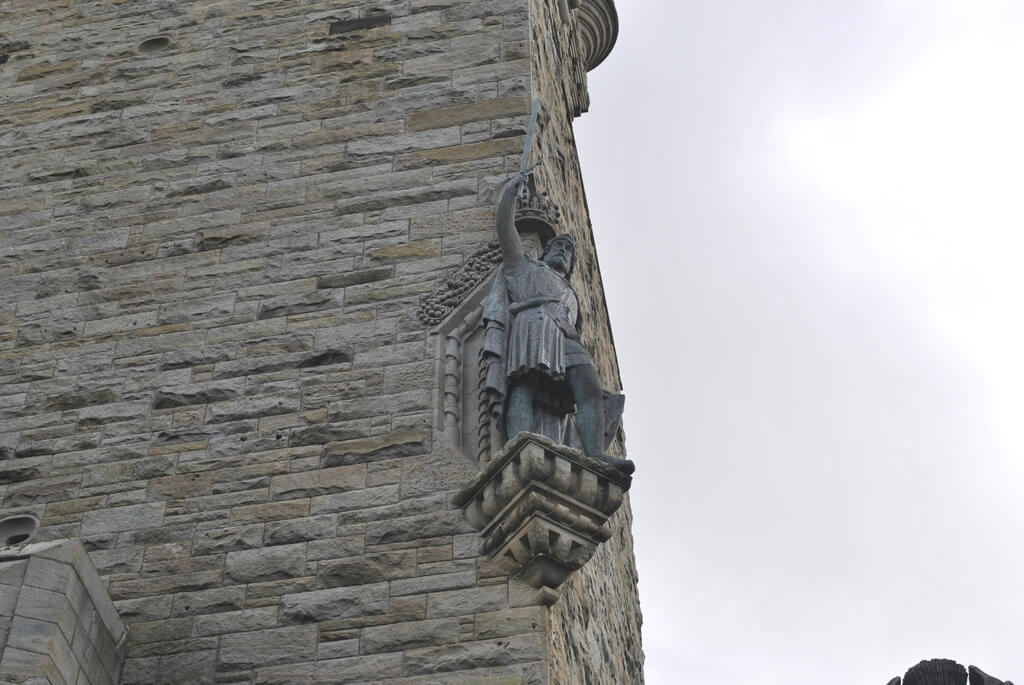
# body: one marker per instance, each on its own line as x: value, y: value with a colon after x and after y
x: 599, y: 29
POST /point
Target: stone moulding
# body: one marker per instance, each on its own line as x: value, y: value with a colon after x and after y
x: 598, y: 27
x: 542, y: 509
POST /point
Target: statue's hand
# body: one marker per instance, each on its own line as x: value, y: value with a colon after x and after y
x: 517, y: 179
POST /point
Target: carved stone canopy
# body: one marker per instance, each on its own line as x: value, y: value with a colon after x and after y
x: 542, y: 510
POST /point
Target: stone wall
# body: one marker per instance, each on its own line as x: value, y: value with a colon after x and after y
x: 595, y: 627
x: 217, y: 220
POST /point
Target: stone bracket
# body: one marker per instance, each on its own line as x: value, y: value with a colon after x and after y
x: 542, y: 509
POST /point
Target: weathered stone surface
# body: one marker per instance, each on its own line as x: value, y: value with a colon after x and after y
x: 66, y: 632
x: 463, y: 114
x: 367, y: 568
x: 273, y: 646
x: 119, y: 519
x: 396, y: 444
x: 510, y: 622
x: 318, y: 482
x: 228, y: 539
x: 267, y: 563
x: 211, y: 258
x: 479, y: 654
x: 235, y: 621
x: 335, y: 603
x: 467, y: 601
x: 402, y: 636
x: 309, y: 528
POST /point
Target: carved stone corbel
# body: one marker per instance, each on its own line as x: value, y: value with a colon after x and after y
x: 542, y: 510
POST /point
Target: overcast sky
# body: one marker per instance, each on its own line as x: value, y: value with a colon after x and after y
x: 810, y: 220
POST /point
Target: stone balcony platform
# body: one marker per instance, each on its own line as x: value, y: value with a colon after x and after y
x: 542, y: 509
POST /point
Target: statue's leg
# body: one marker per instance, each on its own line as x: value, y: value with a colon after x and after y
x: 586, y: 390
x: 519, y: 410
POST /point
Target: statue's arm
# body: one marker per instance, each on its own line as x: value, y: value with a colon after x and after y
x: 505, y: 222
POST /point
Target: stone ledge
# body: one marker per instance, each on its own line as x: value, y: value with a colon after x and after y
x: 542, y: 509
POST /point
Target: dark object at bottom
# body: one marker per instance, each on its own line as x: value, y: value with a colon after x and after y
x: 625, y: 465
x: 946, y: 672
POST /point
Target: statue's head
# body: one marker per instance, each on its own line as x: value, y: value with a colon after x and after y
x: 560, y: 254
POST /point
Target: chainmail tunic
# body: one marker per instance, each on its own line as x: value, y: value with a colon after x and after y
x: 541, y: 338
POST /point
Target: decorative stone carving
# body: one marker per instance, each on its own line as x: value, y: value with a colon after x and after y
x: 439, y: 304
x: 946, y: 672
x: 542, y: 509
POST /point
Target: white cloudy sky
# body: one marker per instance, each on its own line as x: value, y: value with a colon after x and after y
x: 810, y: 217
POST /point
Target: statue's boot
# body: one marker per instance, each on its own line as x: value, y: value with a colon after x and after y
x: 625, y: 465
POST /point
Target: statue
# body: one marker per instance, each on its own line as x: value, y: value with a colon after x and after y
x: 946, y: 672
x: 538, y: 371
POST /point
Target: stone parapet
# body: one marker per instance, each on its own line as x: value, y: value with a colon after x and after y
x: 542, y: 509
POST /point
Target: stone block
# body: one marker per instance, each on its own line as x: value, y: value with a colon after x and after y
x: 435, y: 472
x: 309, y: 528
x: 274, y: 511
x: 360, y: 668
x: 334, y: 603
x: 433, y: 525
x: 495, y: 108
x: 318, y: 482
x: 46, y: 605
x: 221, y: 599
x: 367, y: 568
x: 478, y: 654
x: 118, y: 519
x: 228, y: 539
x: 160, y: 631
x: 144, y: 608
x: 194, y: 668
x: 395, y: 444
x: 467, y: 601
x: 18, y: 662
x: 12, y: 571
x: 266, y: 563
x: 235, y: 621
x: 48, y: 574
x: 263, y: 647
x: 404, y: 636
x: 337, y: 649
x: 498, y: 624
x: 434, y: 583
x: 356, y: 499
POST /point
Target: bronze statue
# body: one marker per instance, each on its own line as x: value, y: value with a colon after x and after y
x: 539, y: 373
x: 946, y: 672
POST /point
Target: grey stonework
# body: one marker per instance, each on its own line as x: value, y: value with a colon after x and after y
x: 212, y: 249
x: 57, y: 623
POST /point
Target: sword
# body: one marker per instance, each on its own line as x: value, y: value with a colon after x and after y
x: 531, y: 129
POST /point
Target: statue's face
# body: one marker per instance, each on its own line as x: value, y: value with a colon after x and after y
x: 559, y: 256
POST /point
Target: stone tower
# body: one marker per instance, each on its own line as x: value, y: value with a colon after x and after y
x: 243, y: 246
